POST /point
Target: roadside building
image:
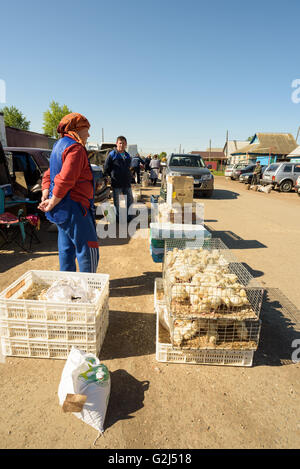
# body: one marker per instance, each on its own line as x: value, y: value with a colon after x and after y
x: 212, y: 156
x: 267, y: 148
x: 232, y: 146
x: 294, y: 156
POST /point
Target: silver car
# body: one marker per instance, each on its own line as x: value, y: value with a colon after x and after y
x: 228, y: 170
x: 282, y: 176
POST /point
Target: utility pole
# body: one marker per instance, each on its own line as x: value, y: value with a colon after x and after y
x: 180, y: 148
x: 227, y: 144
x: 298, y: 133
x: 102, y: 135
x: 226, y: 150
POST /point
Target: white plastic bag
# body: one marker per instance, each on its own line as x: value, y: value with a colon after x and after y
x: 164, y: 317
x: 84, y: 374
x: 109, y: 212
x: 71, y: 290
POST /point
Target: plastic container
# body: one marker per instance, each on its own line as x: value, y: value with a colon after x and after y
x: 52, y: 340
x: 178, y: 231
x: 35, y: 349
x: 167, y: 354
x: 157, y: 254
x: 41, y: 311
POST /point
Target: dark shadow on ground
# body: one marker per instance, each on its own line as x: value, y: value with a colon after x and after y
x: 130, y: 334
x: 254, y: 273
x: 126, y: 397
x: 133, y: 286
x: 12, y: 255
x: 233, y: 241
x: 280, y: 331
x: 220, y: 194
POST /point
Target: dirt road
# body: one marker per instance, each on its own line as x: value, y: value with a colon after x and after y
x: 157, y: 405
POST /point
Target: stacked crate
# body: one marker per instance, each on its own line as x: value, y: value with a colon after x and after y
x: 49, y: 329
x: 180, y: 218
x: 203, y: 325
x: 183, y: 224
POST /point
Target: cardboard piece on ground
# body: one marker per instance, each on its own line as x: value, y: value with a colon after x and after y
x: 74, y: 402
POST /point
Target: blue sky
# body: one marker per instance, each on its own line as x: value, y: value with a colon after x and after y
x: 164, y: 73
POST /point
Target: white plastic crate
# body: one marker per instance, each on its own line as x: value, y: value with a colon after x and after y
x: 52, y: 340
x: 167, y: 354
x: 13, y: 308
x: 30, y: 349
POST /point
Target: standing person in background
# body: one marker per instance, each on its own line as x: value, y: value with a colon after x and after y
x: 68, y: 196
x: 136, y: 163
x: 154, y: 167
x: 117, y: 166
x: 257, y: 174
x: 147, y: 163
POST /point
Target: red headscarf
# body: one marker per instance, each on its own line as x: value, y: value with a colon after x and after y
x: 71, y: 123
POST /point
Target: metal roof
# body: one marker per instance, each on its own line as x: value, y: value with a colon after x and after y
x: 274, y: 143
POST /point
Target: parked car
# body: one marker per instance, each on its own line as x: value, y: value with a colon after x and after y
x: 102, y: 190
x: 282, y: 176
x: 228, y: 170
x: 297, y: 186
x: 247, y: 174
x: 29, y: 165
x: 26, y: 167
x: 191, y: 165
x: 236, y: 171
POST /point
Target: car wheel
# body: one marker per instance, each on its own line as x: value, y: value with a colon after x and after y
x: 286, y: 186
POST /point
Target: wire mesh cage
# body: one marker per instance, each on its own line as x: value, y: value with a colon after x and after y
x: 205, y: 334
x: 215, y: 334
x: 204, y: 279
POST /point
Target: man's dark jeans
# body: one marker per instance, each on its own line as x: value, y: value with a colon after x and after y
x: 127, y: 192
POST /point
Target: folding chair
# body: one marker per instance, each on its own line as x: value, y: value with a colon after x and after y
x: 9, y: 223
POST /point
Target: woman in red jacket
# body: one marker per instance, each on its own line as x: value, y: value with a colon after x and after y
x: 68, y: 196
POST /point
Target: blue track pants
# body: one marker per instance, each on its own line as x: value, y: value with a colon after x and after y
x: 77, y: 239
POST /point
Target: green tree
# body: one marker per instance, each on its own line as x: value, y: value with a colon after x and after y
x: 250, y: 138
x: 53, y: 116
x: 14, y: 118
x: 162, y: 155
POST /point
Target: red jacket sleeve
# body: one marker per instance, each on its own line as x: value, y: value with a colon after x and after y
x: 46, y: 180
x: 74, y: 158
